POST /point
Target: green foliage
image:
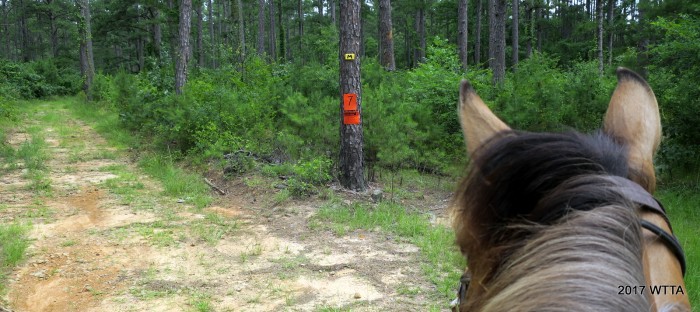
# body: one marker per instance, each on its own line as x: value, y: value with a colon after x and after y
x: 673, y: 73
x: 36, y: 80
x: 541, y: 97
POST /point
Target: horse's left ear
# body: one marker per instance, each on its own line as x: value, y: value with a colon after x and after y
x: 478, y: 122
x: 633, y: 119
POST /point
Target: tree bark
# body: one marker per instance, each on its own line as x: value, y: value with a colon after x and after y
x: 241, y: 30
x: 332, y: 9
x: 87, y: 64
x: 463, y: 31
x: 386, y: 53
x: 272, y: 37
x: 611, y: 32
x: 351, y: 137
x: 200, y: 34
x: 156, y: 33
x: 184, y: 45
x: 477, y: 42
x: 497, y: 39
x: 282, y: 28
x: 261, y: 28
x: 212, y: 36
x: 419, y: 54
x: 320, y: 8
x: 300, y: 20
x: 599, y: 16
x: 516, y: 32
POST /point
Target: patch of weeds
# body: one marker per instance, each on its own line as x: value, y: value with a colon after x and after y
x: 407, y: 290
x: 176, y: 182
x: 33, y: 153
x: 14, y: 244
x: 201, y: 302
x: 282, y: 196
x: 68, y: 243
x: 104, y: 154
x: 213, y: 228
x: 254, y: 182
x: 331, y: 309
x: 157, y: 234
x: 113, y: 168
x: 38, y: 210
x: 252, y: 251
x: 39, y: 183
x: 444, y: 264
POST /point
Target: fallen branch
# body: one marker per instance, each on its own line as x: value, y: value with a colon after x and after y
x: 214, y: 186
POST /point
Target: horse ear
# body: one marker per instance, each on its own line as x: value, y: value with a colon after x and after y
x: 478, y: 122
x: 633, y: 119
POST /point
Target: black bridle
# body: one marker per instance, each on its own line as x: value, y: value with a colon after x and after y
x: 635, y: 193
x: 647, y: 202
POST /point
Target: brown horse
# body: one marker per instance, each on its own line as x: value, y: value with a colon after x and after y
x: 565, y: 221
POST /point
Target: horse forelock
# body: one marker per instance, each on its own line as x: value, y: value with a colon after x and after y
x: 522, y: 186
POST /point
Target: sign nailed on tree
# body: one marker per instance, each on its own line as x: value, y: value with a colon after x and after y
x: 351, y: 116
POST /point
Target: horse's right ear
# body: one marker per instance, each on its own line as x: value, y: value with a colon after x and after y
x: 478, y: 122
x: 633, y: 119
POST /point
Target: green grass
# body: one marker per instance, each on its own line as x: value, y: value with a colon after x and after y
x: 443, y: 263
x: 14, y: 242
x: 683, y: 207
x: 201, y: 302
x: 176, y: 181
x: 213, y: 228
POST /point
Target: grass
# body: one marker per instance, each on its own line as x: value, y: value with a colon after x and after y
x: 213, y: 228
x: 443, y: 263
x: 201, y: 302
x: 176, y: 181
x: 682, y: 205
x: 14, y: 244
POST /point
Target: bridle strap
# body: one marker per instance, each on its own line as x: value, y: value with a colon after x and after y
x: 668, y: 239
x: 639, y: 195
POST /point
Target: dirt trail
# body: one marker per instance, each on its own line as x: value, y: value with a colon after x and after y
x: 105, y: 239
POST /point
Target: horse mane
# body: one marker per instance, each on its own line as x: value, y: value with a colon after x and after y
x: 557, y: 235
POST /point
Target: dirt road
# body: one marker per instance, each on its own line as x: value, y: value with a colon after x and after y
x: 104, y: 238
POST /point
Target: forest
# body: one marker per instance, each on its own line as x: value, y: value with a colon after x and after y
x: 263, y: 76
x: 252, y: 86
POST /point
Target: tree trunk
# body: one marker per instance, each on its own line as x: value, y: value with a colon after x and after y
x: 529, y: 27
x: 477, y: 43
x: 611, y: 32
x: 281, y: 25
x: 212, y: 36
x: 320, y: 8
x: 463, y: 31
x: 516, y: 32
x: 241, y: 30
x: 332, y: 9
x: 172, y: 32
x: 156, y: 34
x: 87, y: 64
x: 497, y: 39
x: 184, y: 45
x: 272, y: 37
x: 386, y: 36
x: 419, y: 54
x: 261, y: 28
x: 351, y: 145
x: 300, y: 20
x: 599, y: 16
x: 200, y: 34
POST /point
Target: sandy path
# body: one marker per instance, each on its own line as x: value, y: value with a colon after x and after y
x: 105, y: 239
